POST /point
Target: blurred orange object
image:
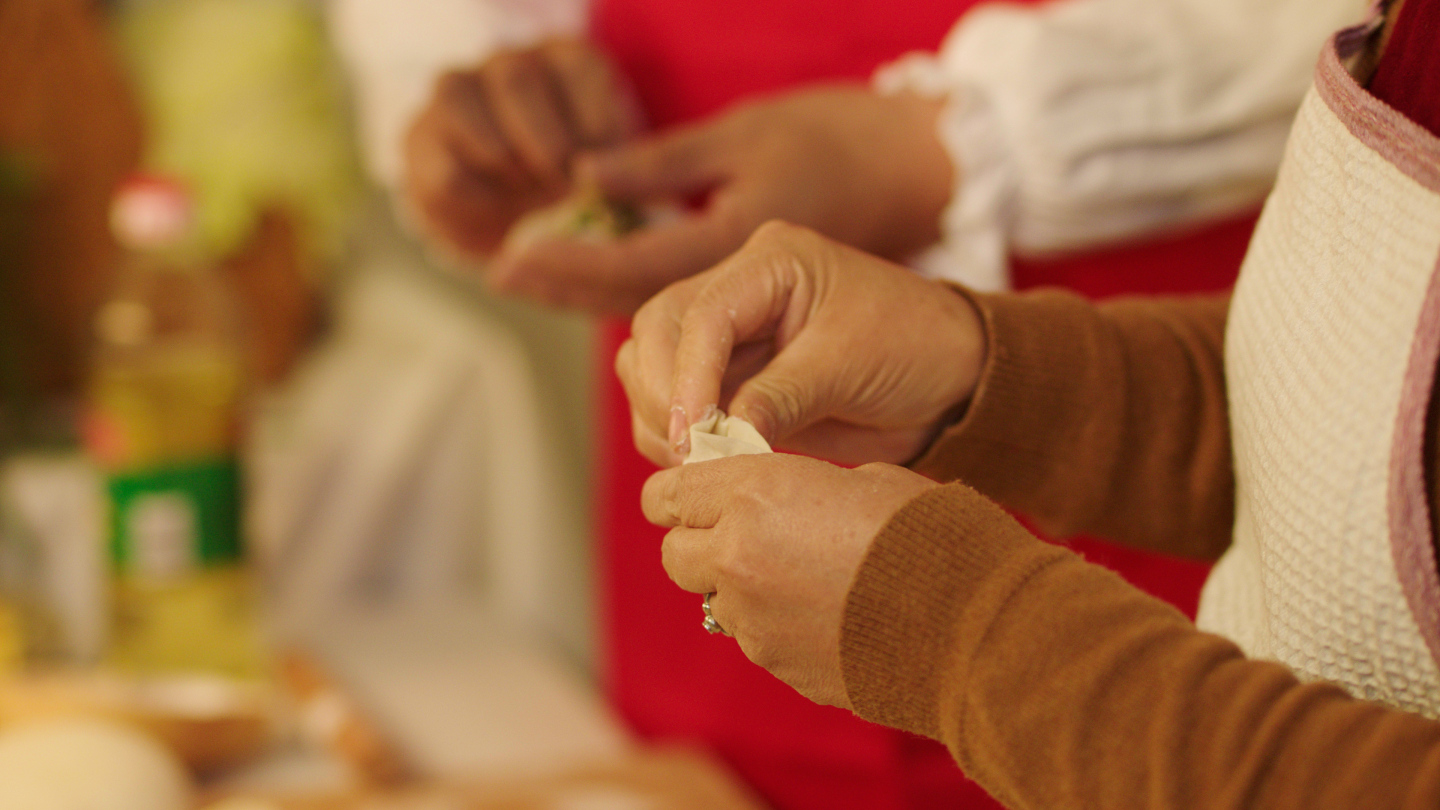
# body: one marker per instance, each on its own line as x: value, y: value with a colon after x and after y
x: 330, y: 717
x: 212, y: 724
x: 68, y: 117
x: 662, y: 779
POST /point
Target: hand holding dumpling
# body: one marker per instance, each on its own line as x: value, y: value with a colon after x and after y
x: 777, y: 539
x: 826, y: 350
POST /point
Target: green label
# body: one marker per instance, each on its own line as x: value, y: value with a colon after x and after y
x: 170, y: 520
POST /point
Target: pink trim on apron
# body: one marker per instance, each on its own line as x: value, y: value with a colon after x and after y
x: 1410, y: 147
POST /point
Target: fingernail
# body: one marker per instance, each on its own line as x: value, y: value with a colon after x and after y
x: 679, y: 431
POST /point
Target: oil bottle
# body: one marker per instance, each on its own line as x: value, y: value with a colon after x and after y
x: 162, y: 422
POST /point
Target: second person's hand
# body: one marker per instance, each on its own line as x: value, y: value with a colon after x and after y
x: 497, y: 140
x: 865, y: 169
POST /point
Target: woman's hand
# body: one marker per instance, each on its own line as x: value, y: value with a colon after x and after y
x: 826, y: 350
x: 865, y: 169
x: 500, y: 140
x: 497, y: 141
x: 778, y: 540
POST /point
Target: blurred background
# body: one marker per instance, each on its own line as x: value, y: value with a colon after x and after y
x: 286, y: 510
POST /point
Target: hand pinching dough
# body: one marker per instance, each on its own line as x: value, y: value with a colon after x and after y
x: 585, y: 215
x: 722, y: 436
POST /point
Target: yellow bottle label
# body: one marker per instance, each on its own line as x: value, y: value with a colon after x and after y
x: 205, y: 621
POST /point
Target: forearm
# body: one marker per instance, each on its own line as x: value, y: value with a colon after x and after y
x: 1107, y: 419
x: 1056, y: 684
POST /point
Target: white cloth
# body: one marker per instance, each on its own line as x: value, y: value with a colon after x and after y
x: 1330, y: 350
x: 721, y: 436
x: 407, y: 462
x: 1080, y: 122
x: 1074, y: 122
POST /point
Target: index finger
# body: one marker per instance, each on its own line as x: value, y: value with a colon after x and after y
x: 528, y: 109
x: 459, y: 119
x: 597, y: 105
x: 650, y: 369
x: 688, y: 495
x: 745, y: 300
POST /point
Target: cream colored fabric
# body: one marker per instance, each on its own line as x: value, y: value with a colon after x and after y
x: 1081, y: 122
x: 407, y: 462
x: 721, y: 436
x: 1319, y: 338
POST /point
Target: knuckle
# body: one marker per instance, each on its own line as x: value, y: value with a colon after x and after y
x: 453, y: 87
x: 421, y: 136
x: 730, y: 569
x: 762, y: 651
x: 675, y: 492
x: 571, y: 54
x: 670, y: 555
x: 647, y: 317
x: 430, y: 185
x: 777, y: 400
x: 774, y: 232
x: 739, y: 569
x: 513, y: 73
x: 501, y: 62
x: 625, y: 363
x: 886, y: 474
x: 449, y: 81
x: 877, y: 469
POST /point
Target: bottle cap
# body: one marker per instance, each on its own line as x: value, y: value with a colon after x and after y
x: 150, y: 212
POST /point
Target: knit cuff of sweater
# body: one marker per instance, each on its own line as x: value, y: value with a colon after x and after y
x: 938, y: 573
x: 1035, y: 342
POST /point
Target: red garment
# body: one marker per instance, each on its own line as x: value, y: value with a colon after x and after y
x: 1408, y: 76
x: 667, y: 677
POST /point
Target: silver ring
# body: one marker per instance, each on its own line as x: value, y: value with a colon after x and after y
x: 711, y: 626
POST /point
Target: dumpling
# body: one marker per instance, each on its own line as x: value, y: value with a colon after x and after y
x: 722, y: 436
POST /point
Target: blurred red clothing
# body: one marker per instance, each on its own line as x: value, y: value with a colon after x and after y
x: 666, y: 675
x: 1408, y: 75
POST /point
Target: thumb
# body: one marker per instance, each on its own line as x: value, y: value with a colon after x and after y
x: 796, y: 390
x: 679, y: 163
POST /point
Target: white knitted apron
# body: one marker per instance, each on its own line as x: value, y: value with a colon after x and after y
x: 1330, y: 355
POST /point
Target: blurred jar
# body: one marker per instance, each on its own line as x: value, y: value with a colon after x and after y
x: 162, y: 423
x: 52, y: 581
x: 17, y: 600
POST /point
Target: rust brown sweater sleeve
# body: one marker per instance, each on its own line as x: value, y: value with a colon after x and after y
x: 1055, y: 684
x: 1105, y: 419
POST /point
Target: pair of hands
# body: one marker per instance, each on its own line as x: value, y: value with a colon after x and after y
x: 826, y: 350
x: 526, y: 127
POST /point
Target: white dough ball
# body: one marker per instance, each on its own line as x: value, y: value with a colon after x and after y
x: 83, y: 764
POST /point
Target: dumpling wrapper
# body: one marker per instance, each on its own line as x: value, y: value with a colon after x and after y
x: 722, y: 436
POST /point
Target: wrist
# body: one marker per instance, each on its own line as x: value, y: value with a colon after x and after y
x: 961, y: 347
x: 926, y: 176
